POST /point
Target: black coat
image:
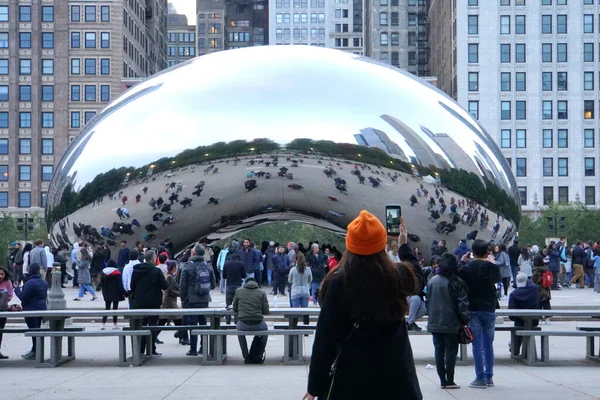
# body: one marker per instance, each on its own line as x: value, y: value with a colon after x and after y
x: 375, y: 362
x: 147, y: 284
x: 112, y: 285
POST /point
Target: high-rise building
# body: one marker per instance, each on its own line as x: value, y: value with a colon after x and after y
x: 231, y: 24
x: 182, y: 40
x: 527, y: 72
x: 61, y: 62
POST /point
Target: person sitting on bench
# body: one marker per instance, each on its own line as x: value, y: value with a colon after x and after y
x: 250, y: 305
x: 524, y: 297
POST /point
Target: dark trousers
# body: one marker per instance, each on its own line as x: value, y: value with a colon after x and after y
x: 555, y: 279
x: 519, y: 339
x: 506, y: 284
x: 589, y: 274
x: 279, y: 282
x: 2, y: 325
x: 446, y: 349
x: 258, y: 276
x: 75, y: 276
x: 115, y: 306
x: 183, y: 335
x: 514, y: 269
x: 195, y: 320
x: 151, y: 320
x: 18, y: 275
x: 63, y: 274
x: 33, y: 323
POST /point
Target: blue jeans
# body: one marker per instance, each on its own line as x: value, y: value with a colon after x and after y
x: 83, y: 287
x: 270, y: 277
x: 300, y: 302
x: 482, y: 326
x: 314, y: 286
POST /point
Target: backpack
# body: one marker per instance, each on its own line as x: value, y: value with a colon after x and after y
x: 19, y: 257
x: 202, y: 284
x: 562, y: 253
x: 547, y: 279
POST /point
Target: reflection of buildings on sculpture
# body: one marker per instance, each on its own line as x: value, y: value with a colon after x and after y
x: 458, y: 157
x: 371, y: 137
x: 425, y: 156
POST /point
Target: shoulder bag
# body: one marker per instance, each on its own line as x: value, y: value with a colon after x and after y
x: 334, y: 365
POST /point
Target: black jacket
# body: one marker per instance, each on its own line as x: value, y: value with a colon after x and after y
x: 112, y: 285
x: 234, y: 271
x: 524, y: 298
x: 317, y: 264
x: 438, y: 251
x: 376, y: 359
x: 481, y: 277
x: 579, y: 256
x: 147, y: 284
x: 33, y: 294
x: 514, y: 252
x: 407, y: 255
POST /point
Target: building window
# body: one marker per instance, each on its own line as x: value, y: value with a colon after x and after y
x: 521, y: 110
x: 590, y: 195
x: 24, y: 172
x: 505, y: 138
x: 563, y: 138
x: 521, y: 81
x: 505, y: 53
x: 383, y: 39
x: 561, y: 24
x: 547, y: 81
x: 3, y: 146
x: 90, y: 40
x: 520, y: 24
x: 3, y: 67
x: 47, y: 146
x: 4, y: 93
x: 384, y: 57
x: 25, y: 66
x: 562, y: 108
x: 89, y: 115
x: 383, y: 19
x: 563, y: 194
x: 561, y: 81
x: 505, y: 113
x: 521, y: 138
x: 24, y: 40
x: 520, y: 53
x: 24, y: 146
x: 546, y: 52
x: 105, y: 40
x: 105, y: 93
x: 75, y: 66
x: 523, y: 195
x: 546, y: 24
x: 473, y: 24
x: 547, y: 138
x: 25, y: 120
x: 473, y: 3
x: 473, y: 81
x: 588, y: 109
x: 588, y: 23
x: 48, y: 67
x: 588, y: 52
x: 47, y: 120
x: 47, y: 93
x: 548, y: 195
x: 47, y: 40
x: 90, y: 13
x: 90, y: 92
x: 474, y: 108
x: 505, y: 81
x: 75, y: 119
x: 24, y: 13
x: 90, y: 66
x: 75, y: 14
x: 105, y: 66
x: 547, y: 109
x: 588, y: 138
x: 563, y: 166
x: 47, y: 14
x: 505, y: 24
x: 75, y: 93
x: 3, y: 13
x: 75, y: 40
x: 561, y: 52
x: 47, y: 171
x: 3, y: 119
x: 105, y: 13
x: 4, y: 40
x: 3, y: 173
x: 547, y: 167
x: 473, y: 53
x: 25, y: 93
x: 521, y: 167
x: 24, y: 199
x: 590, y: 166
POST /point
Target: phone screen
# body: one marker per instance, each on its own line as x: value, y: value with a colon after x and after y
x: 392, y: 219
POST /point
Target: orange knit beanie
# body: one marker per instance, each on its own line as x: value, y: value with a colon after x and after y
x: 366, y: 235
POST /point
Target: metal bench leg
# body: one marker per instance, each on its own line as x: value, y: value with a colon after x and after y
x: 463, y: 355
x: 55, y: 350
x: 205, y: 350
x: 71, y: 347
x: 39, y: 351
x: 122, y: 349
x: 531, y: 351
x: 545, y: 345
x: 135, y: 351
x: 286, y: 351
x: 590, y: 349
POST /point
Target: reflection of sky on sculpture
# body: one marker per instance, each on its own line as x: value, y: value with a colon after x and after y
x: 258, y: 108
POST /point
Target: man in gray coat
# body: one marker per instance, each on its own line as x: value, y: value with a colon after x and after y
x: 38, y: 256
x: 188, y: 290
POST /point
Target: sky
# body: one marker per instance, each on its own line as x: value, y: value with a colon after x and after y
x: 187, y: 7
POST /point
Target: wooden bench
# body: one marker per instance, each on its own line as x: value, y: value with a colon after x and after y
x: 293, y: 346
x: 57, y: 358
x: 533, y: 359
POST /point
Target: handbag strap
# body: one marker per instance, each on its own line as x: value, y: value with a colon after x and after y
x: 334, y: 365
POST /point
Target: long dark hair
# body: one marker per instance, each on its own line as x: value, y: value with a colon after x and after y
x: 525, y: 254
x: 448, y: 265
x: 371, y: 288
x: 27, y: 248
x: 300, y: 263
x: 85, y: 255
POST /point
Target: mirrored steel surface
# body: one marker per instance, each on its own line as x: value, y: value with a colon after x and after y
x: 279, y: 133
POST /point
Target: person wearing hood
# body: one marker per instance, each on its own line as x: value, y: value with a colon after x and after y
x: 524, y: 297
x: 234, y: 274
x: 250, y: 305
x: 269, y: 253
x: 6, y: 295
x: 49, y: 266
x: 196, y: 282
x: 461, y: 250
x: 33, y: 296
x: 128, y: 269
x: 147, y: 284
x: 113, y: 291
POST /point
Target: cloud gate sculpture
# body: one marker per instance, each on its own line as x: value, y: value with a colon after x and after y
x: 245, y: 137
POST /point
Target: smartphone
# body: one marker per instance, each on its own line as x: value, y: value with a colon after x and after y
x: 393, y: 212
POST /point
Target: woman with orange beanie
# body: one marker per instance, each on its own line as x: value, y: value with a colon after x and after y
x: 361, y: 348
